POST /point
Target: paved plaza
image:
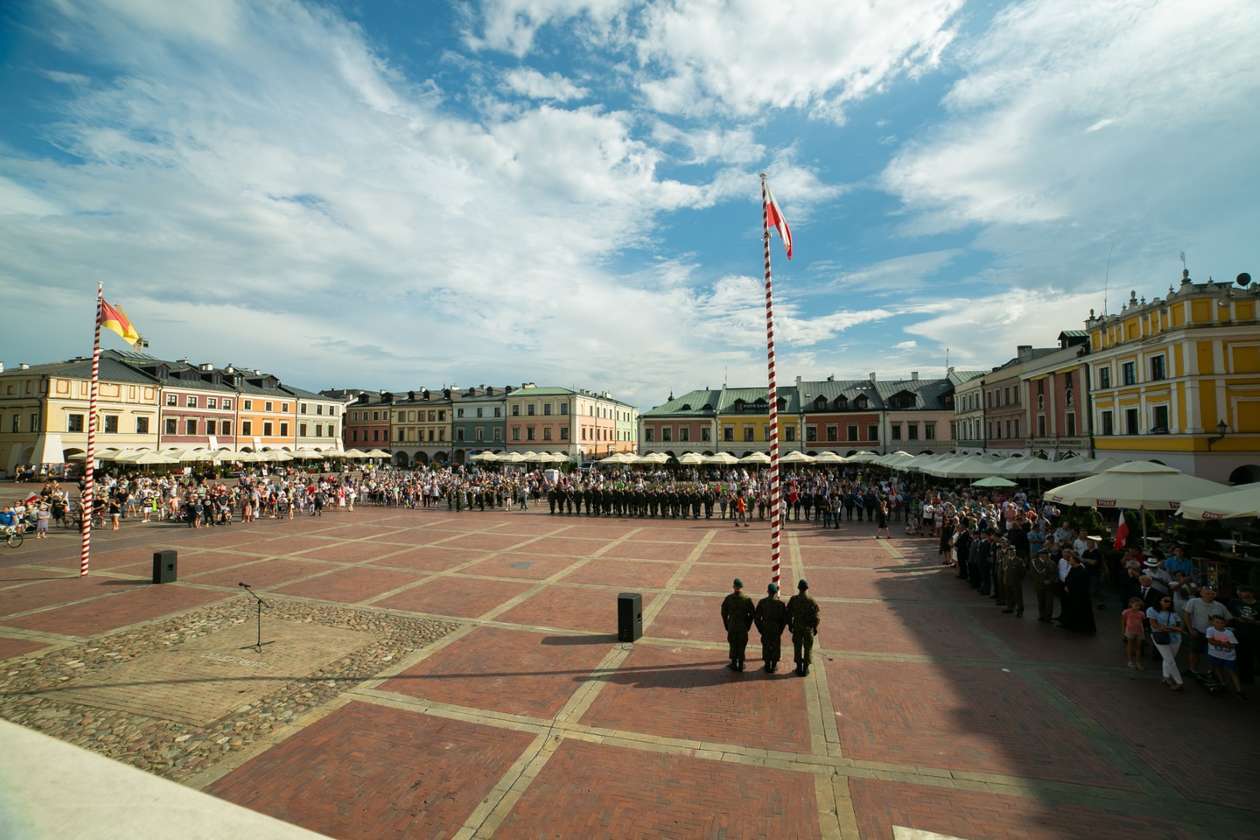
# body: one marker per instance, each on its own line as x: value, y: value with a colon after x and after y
x: 458, y: 675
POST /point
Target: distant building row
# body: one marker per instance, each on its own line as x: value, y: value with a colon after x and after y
x: 1175, y: 380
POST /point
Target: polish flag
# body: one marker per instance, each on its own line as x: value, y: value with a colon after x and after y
x: 1122, y: 532
x: 779, y: 222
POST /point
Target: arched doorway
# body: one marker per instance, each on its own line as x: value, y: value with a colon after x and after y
x: 401, y: 460
x: 439, y: 458
x: 421, y: 460
x: 1246, y: 474
x: 459, y: 457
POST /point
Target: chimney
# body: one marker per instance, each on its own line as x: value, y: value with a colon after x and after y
x: 1, y: 367
x: 23, y: 366
x: 411, y: 396
x: 1023, y: 351
x: 831, y: 377
x: 872, y: 376
x: 914, y: 376
x: 798, y: 383
x: 950, y: 369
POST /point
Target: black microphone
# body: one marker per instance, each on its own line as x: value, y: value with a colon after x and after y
x: 242, y: 583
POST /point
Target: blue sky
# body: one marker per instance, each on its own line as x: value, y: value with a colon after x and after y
x: 391, y: 194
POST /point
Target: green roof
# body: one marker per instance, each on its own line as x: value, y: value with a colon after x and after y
x: 112, y: 370
x: 700, y: 403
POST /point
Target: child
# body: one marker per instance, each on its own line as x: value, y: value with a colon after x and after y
x: 1223, y: 653
x: 1131, y: 630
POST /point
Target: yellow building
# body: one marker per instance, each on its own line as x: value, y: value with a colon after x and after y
x: 743, y: 420
x: 420, y: 427
x: 1177, y: 380
x: 44, y: 411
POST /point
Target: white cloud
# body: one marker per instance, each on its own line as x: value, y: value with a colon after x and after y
x: 746, y: 56
x: 530, y: 83
x: 510, y: 25
x: 704, y: 145
x: 61, y: 77
x: 906, y: 346
x: 898, y: 274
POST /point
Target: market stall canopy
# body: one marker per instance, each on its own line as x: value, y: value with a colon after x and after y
x: 755, y: 458
x: 485, y: 457
x: 863, y: 457
x: 1237, y: 503
x: 614, y: 460
x: 691, y: 459
x: 275, y: 456
x: 1137, y: 484
x: 829, y: 457
x: 152, y: 458
x: 721, y: 458
x: 958, y: 466
x: 378, y: 453
x: 512, y: 458
x: 795, y: 457
x: 312, y: 454
x: 994, y: 481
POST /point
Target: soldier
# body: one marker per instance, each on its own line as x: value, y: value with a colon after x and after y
x: 737, y: 617
x: 552, y: 494
x: 1045, y: 575
x: 1015, y: 565
x: 802, y: 614
x: 1000, y: 558
x: 770, y: 617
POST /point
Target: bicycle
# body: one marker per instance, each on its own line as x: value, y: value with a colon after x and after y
x: 12, y: 537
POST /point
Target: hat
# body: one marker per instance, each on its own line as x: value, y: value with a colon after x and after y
x: 772, y: 588
x: 802, y: 584
x: 737, y: 583
x: 1151, y: 563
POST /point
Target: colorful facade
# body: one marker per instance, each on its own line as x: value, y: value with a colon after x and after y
x: 1055, y: 389
x: 479, y: 421
x: 421, y: 428
x: 577, y: 422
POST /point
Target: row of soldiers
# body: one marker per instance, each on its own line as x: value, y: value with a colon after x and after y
x: 771, y: 616
x: 993, y: 566
x: 681, y: 500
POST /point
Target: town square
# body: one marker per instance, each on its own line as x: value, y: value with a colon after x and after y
x: 629, y: 419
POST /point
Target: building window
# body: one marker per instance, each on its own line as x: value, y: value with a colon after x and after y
x: 284, y: 407
x: 284, y: 430
x: 35, y: 423
x: 190, y: 401
x: 267, y: 406
x: 496, y: 411
x: 1041, y: 387
x: 171, y: 426
x: 1157, y: 368
x: 498, y: 432
x: 728, y: 434
x: 267, y: 427
x: 1108, y: 424
x: 171, y: 399
x: 1128, y: 373
x: 833, y: 434
x: 546, y: 433
x: 872, y: 432
x: 249, y: 405
x: 529, y: 433
x: 319, y: 409
x: 516, y: 431
x: 190, y: 426
x: 564, y: 433
x: 1159, y: 420
x: 225, y: 428
x: 895, y: 428
x: 111, y: 424
x: 209, y: 427
x: 748, y: 434
x: 564, y: 409
x: 212, y: 402
x: 479, y: 410
x: 529, y: 410
x: 459, y: 435
x: 301, y: 430
x: 684, y: 434
x: 765, y: 430
x: 929, y: 431
x: 1130, y: 421
x: 913, y: 431
x: 546, y: 409
x: 648, y: 431
x: 705, y: 434
x: 516, y: 410
x: 227, y: 404
x: 667, y: 434
x: 74, y: 422
x: 1104, y: 377
x: 1071, y: 425
x: 852, y: 433
x: 1041, y: 425
x: 789, y: 433
x: 247, y: 428
x: 811, y: 434
x: 480, y: 434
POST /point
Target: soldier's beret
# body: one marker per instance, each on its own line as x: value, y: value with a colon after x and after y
x: 737, y: 583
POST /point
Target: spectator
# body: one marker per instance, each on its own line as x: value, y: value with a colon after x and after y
x: 1246, y: 610
x: 1166, y: 636
x: 1223, y: 653
x: 1199, y: 614
x: 1131, y: 630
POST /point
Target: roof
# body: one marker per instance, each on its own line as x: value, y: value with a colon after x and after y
x: 929, y: 394
x: 959, y: 377
x: 832, y: 389
x: 1073, y: 334
x: 701, y: 402
x: 112, y: 370
x: 302, y: 393
x: 751, y: 395
x: 560, y: 391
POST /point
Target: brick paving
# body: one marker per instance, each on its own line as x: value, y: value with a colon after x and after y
x: 926, y: 709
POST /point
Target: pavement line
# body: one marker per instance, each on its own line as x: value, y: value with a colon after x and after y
x: 671, y: 585
x: 822, y: 715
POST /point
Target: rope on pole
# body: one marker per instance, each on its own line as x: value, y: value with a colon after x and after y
x: 776, y: 510
x: 88, y: 500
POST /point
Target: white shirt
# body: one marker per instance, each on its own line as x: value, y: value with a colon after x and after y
x: 1064, y: 567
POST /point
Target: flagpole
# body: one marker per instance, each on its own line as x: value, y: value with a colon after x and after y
x: 776, y: 510
x: 88, y: 499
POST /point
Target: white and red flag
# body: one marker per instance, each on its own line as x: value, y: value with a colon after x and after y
x: 779, y: 222
x: 1122, y: 533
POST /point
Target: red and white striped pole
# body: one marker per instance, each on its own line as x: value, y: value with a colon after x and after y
x: 88, y: 500
x: 776, y: 507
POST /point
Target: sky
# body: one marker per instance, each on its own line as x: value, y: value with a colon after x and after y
x: 390, y: 194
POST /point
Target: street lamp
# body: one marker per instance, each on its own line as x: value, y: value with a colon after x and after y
x: 1221, y: 429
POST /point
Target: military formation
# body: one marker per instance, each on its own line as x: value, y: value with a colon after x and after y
x: 771, y: 616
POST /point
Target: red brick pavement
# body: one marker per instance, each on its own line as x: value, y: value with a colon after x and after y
x: 651, y: 550
x: 704, y: 577
x: 913, y: 628
x: 623, y: 573
x: 564, y: 546
x: 431, y: 558
x: 688, y: 693
x: 880, y: 805
x: 263, y: 574
x: 525, y: 566
x: 376, y: 772
x: 350, y: 585
x: 592, y: 791
x: 136, y: 603
x: 16, y: 647
x: 693, y: 617
x: 571, y: 608
x: 45, y: 593
x: 969, y: 718
x: 456, y: 596
x: 521, y: 673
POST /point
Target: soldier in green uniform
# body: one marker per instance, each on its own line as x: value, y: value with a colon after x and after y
x: 770, y: 618
x: 737, y: 617
x: 1045, y: 574
x: 1015, y: 567
x: 802, y: 613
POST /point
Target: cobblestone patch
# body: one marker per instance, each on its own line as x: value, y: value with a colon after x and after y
x: 30, y: 688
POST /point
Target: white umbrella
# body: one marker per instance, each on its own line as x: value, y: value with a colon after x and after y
x: 356, y: 454
x: 657, y: 457
x: 1238, y: 503
x: 829, y: 457
x: 378, y: 453
x: 755, y: 458
x: 863, y: 457
x: 691, y: 459
x: 1137, y: 484
x: 796, y: 457
x: 994, y: 481
x: 723, y: 458
x: 512, y: 458
x: 485, y: 457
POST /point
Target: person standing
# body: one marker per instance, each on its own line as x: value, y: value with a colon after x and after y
x: 1014, y: 566
x: 1166, y: 636
x: 770, y: 618
x: 1045, y: 575
x: 1078, y: 610
x: 1199, y: 613
x: 737, y: 617
x: 802, y: 613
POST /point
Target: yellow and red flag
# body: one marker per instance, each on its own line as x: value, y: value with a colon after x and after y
x: 113, y: 318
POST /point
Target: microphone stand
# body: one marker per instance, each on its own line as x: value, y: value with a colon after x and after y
x: 261, y: 604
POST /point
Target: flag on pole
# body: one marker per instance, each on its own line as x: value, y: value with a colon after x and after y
x: 113, y: 318
x: 779, y: 222
x: 1122, y: 532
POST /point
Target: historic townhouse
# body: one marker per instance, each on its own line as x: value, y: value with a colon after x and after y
x: 581, y: 423
x: 842, y: 417
x: 421, y: 430
x: 1005, y: 406
x: 1055, y: 390
x: 197, y: 406
x: 1178, y: 380
x: 366, y: 421
x: 44, y: 411
x: 266, y: 416
x: 744, y: 420
x: 968, y: 424
x: 318, y: 420
x: 480, y: 421
x: 917, y: 415
x: 685, y: 424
